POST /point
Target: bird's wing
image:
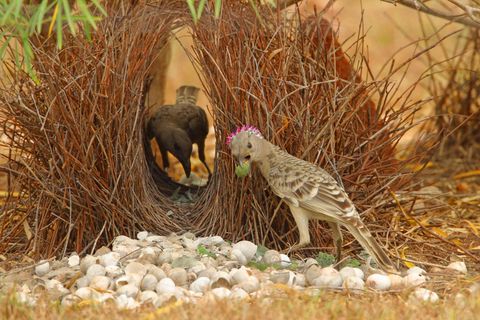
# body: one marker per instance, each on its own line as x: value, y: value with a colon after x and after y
x: 305, y: 185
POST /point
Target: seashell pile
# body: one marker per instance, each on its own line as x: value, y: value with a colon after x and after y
x: 158, y: 270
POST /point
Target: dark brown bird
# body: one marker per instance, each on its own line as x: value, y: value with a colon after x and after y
x: 177, y: 127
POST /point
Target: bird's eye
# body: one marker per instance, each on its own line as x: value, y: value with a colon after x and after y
x: 249, y: 145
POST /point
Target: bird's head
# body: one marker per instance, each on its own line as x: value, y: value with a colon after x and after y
x: 180, y: 145
x: 246, y: 145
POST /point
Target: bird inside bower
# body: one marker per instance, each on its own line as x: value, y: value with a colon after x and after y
x: 177, y: 127
x: 309, y: 191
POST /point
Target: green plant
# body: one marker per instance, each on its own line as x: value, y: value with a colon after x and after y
x: 19, y: 22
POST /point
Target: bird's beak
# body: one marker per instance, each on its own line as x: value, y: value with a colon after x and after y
x: 186, y: 166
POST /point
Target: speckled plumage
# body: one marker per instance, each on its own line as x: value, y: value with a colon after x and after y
x: 309, y: 191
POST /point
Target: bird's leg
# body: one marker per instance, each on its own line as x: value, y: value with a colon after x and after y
x: 301, y: 219
x: 337, y: 239
x: 201, y: 156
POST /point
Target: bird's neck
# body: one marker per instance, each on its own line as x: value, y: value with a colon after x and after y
x: 266, y: 154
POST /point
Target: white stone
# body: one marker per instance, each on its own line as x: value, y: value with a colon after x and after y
x: 82, y: 282
x: 247, y: 248
x: 379, y: 282
x: 271, y: 257
x: 142, y: 235
x: 300, y: 280
x: 100, y: 283
x: 70, y: 300
x: 353, y: 283
x: 458, y: 266
x: 179, y: 276
x: 156, y: 271
x: 328, y: 277
x: 200, y: 285
x: 352, y: 272
x: 42, y: 268
x: 149, y: 282
x: 398, y: 283
x: 164, y: 286
x: 103, y: 297
x: 73, y: 260
x: 84, y: 293
x: 221, y: 279
x: 423, y: 294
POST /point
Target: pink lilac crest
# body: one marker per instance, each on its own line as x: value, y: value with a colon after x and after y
x: 247, y: 128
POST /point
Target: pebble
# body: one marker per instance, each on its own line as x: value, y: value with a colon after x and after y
x: 159, y: 270
x: 458, y: 266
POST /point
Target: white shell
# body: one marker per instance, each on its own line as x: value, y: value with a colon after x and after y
x: 221, y: 293
x: 95, y: 270
x: 239, y: 275
x: 200, y: 285
x: 398, y: 283
x: 198, y: 267
x: 312, y: 273
x: 122, y: 281
x: 109, y: 259
x: 84, y: 293
x: 271, y: 257
x: 113, y: 271
x: 239, y: 293
x: 179, y: 276
x: 102, y: 297
x: 70, y: 300
x: 166, y: 285
x: 124, y: 302
x: 329, y: 277
x: 135, y: 268
x: 221, y: 279
x: 149, y: 282
x: 352, y: 272
x: 128, y: 290
x: 239, y: 256
x: 86, y: 262
x: 285, y: 261
x: 100, y: 283
x: 414, y: 280
x: 423, y: 295
x: 142, y: 235
x: 353, y: 283
x: 156, y: 271
x: 250, y: 285
x: 283, y: 276
x: 300, y: 280
x: 416, y: 270
x: 247, y: 248
x: 148, y: 296
x: 42, y: 268
x: 82, y: 282
x: 73, y: 260
x: 378, y: 282
x: 458, y: 266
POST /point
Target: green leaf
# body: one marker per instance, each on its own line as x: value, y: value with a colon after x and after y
x: 205, y: 252
x: 353, y: 263
x: 258, y: 265
x: 68, y: 16
x: 261, y: 250
x: 325, y: 259
x: 41, y: 10
x: 193, y: 12
x: 99, y: 7
x: 200, y: 8
x: 58, y: 27
x: 218, y: 8
x: 86, y: 14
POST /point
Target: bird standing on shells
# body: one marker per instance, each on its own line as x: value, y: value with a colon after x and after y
x: 177, y: 127
x: 309, y: 191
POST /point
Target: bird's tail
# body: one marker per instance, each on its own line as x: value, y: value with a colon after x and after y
x: 187, y: 95
x: 368, y: 242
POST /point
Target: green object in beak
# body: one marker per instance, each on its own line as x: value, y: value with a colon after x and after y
x: 242, y: 169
